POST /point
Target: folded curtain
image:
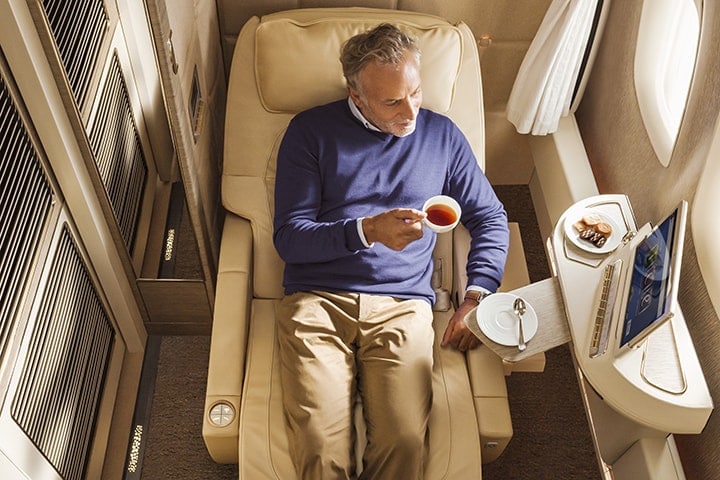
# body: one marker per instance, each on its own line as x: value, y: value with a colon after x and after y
x: 544, y: 86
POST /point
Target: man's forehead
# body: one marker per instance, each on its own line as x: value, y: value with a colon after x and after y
x: 378, y: 74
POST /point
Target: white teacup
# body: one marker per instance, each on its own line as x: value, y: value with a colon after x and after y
x: 443, y: 213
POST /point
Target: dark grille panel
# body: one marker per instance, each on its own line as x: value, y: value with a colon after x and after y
x: 25, y: 201
x: 58, y: 395
x: 78, y: 29
x: 118, y: 152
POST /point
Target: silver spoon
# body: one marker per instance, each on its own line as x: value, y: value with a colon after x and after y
x: 519, y: 308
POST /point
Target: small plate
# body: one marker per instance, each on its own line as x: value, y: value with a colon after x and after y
x: 574, y: 236
x: 497, y: 320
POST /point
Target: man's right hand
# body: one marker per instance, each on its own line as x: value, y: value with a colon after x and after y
x: 395, y: 229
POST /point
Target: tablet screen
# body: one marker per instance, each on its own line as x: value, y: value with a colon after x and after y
x: 651, y: 285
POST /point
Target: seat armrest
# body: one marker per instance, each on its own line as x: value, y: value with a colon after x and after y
x: 485, y: 367
x: 229, y: 337
x: 487, y: 381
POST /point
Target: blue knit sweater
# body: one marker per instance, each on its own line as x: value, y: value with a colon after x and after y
x: 331, y: 171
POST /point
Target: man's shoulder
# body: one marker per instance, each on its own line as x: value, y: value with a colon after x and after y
x: 337, y: 107
x: 328, y: 116
x: 435, y: 119
x: 435, y: 116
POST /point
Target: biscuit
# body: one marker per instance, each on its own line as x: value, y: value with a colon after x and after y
x: 603, y: 228
x: 591, y: 219
x: 580, y: 226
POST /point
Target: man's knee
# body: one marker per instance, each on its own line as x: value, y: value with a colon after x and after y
x: 319, y: 455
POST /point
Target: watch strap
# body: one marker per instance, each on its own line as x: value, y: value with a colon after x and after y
x: 476, y: 295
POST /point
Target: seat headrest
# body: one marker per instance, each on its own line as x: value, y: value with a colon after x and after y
x: 297, y: 62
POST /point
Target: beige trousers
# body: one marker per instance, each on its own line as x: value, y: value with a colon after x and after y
x: 333, y: 346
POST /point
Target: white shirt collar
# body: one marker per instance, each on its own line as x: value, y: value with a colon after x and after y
x: 358, y: 114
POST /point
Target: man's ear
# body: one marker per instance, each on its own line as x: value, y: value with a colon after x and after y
x: 354, y: 96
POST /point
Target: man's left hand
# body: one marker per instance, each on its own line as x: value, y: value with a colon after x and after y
x: 457, y: 332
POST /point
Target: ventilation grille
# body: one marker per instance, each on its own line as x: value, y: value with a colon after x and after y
x: 78, y: 29
x: 25, y: 201
x: 118, y: 152
x: 58, y: 395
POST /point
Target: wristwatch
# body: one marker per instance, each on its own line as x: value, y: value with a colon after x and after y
x: 476, y: 295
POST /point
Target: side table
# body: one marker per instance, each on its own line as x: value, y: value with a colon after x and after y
x: 546, y: 298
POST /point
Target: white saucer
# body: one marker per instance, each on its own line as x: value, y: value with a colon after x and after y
x: 497, y: 320
x: 574, y: 236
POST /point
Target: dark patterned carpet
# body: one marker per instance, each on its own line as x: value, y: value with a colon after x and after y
x: 551, y: 439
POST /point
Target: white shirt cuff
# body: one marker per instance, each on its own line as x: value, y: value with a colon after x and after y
x: 475, y: 288
x: 362, y: 234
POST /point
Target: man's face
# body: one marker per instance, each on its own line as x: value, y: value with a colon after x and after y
x: 389, y: 96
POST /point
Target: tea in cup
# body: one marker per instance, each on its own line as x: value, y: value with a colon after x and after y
x: 443, y: 213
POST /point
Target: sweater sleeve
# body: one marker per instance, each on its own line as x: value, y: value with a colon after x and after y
x: 299, y: 236
x: 482, y: 214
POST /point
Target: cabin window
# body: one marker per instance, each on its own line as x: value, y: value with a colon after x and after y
x: 664, y: 63
x: 705, y: 228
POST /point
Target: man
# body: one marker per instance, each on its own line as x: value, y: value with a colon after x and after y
x: 357, y: 317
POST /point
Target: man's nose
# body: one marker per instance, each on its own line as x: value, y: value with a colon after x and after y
x: 409, y: 109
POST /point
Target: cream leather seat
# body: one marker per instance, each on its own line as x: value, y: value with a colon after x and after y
x: 284, y: 63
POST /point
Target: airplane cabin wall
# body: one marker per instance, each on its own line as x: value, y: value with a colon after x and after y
x: 623, y: 161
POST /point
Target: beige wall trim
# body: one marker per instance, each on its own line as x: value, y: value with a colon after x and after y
x: 562, y: 172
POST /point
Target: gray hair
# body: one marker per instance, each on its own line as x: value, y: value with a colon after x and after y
x: 385, y: 43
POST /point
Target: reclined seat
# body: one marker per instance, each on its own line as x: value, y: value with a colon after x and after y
x: 284, y: 63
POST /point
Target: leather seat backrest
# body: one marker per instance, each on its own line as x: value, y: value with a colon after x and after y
x: 287, y: 62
